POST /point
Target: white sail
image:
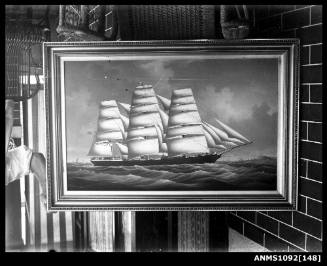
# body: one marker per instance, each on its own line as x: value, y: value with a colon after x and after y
x: 229, y: 144
x: 110, y: 124
x: 125, y: 121
x: 109, y: 135
x: 142, y: 132
x: 231, y: 131
x: 183, y: 108
x: 110, y: 103
x: 143, y: 86
x: 210, y: 141
x: 162, y: 145
x: 139, y: 146
x: 145, y: 119
x: 109, y: 112
x: 185, y: 130
x: 182, y: 92
x: 164, y: 119
x: 188, y: 117
x: 116, y: 153
x: 123, y: 148
x: 126, y: 107
x: 221, y: 147
x: 213, y: 134
x: 110, y: 130
x: 144, y: 100
x: 185, y: 134
x: 152, y: 107
x: 221, y: 134
x: 164, y: 101
x: 144, y: 92
x: 101, y: 149
x: 183, y: 100
x: 187, y: 145
x: 236, y: 141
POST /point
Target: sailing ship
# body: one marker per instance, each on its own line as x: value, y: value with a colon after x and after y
x: 159, y: 131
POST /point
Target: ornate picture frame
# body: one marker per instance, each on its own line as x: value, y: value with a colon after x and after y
x: 197, y: 58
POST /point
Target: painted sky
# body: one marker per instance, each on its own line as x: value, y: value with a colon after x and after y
x: 240, y: 92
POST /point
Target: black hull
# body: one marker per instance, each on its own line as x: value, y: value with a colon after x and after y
x: 210, y: 158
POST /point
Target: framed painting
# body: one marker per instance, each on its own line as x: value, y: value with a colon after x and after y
x: 172, y: 125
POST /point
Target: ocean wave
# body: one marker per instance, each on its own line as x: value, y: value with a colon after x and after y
x: 251, y: 174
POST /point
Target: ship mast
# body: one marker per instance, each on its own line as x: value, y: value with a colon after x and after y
x: 143, y: 139
x: 111, y: 129
x: 185, y: 134
x: 219, y: 140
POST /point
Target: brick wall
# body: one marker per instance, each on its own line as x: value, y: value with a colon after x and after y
x: 295, y: 230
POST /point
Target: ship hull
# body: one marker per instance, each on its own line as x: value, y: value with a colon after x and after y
x: 201, y: 159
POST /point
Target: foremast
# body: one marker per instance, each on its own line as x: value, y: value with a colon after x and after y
x: 111, y: 129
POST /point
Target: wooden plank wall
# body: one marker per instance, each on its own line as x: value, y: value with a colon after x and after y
x: 44, y: 231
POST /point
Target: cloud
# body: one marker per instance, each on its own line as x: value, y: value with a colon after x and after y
x: 261, y: 128
x: 161, y: 73
x: 223, y: 104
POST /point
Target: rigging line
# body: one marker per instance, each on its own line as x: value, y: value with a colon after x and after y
x: 227, y: 150
x: 158, y: 81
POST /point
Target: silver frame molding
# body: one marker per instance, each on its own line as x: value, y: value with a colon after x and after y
x: 283, y: 198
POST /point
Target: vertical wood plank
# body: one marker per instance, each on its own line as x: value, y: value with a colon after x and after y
x: 34, y: 133
x: 40, y: 146
x: 50, y: 231
x: 77, y: 230
x: 84, y: 17
x: 63, y: 240
x: 12, y: 219
x: 101, y: 231
x: 31, y: 220
x: 56, y: 231
x: 125, y: 231
x: 128, y: 229
x: 61, y: 15
x: 193, y: 231
x: 69, y: 231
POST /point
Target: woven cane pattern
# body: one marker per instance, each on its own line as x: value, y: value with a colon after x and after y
x: 166, y: 22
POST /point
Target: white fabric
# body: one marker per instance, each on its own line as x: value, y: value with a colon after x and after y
x: 18, y: 162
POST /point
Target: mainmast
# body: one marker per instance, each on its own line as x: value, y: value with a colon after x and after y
x: 144, y: 116
x: 185, y: 134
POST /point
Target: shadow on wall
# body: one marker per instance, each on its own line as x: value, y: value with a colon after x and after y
x: 239, y: 243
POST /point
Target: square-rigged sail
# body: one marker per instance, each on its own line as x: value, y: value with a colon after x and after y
x: 185, y: 134
x: 110, y: 129
x: 143, y: 139
x: 151, y: 135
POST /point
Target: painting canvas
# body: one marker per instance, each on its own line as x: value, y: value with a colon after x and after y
x: 191, y: 123
x: 166, y: 121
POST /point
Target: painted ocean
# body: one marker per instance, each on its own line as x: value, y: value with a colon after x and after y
x: 255, y: 174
